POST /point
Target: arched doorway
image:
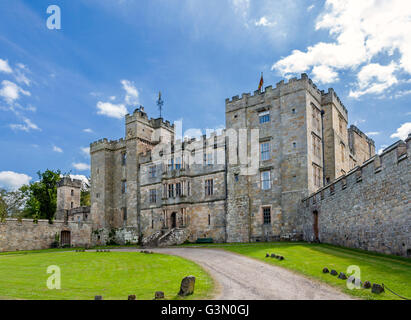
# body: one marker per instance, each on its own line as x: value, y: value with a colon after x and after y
x: 173, y: 220
x: 65, y: 238
x: 315, y: 226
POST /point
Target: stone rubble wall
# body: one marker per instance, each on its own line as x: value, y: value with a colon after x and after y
x: 369, y: 208
x: 27, y: 235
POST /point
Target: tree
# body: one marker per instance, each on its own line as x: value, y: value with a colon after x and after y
x: 85, y: 194
x: 42, y: 196
x: 3, y: 206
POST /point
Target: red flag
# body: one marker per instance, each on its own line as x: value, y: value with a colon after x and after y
x: 260, y: 86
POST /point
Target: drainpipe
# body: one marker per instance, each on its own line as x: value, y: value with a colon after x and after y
x: 322, y: 142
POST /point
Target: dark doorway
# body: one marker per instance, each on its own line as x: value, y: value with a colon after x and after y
x: 65, y: 238
x: 315, y: 226
x: 173, y: 220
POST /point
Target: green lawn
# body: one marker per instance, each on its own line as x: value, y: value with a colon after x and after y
x: 310, y: 259
x: 114, y: 275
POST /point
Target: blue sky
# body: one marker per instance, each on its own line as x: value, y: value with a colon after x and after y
x: 62, y: 89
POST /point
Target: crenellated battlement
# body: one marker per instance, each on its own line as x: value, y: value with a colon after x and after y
x: 387, y: 160
x: 281, y: 88
x: 362, y: 134
x: 107, y: 144
x: 141, y: 115
x: 332, y: 97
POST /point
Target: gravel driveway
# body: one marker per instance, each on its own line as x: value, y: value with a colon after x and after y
x: 240, y: 278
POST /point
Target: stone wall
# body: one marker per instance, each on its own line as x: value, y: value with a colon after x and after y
x: 369, y: 208
x: 26, y: 235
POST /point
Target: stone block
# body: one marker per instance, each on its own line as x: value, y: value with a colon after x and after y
x: 187, y: 286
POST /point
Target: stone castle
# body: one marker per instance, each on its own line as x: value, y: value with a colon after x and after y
x: 275, y: 173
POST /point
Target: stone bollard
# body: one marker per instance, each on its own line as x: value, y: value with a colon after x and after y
x: 273, y: 255
x: 342, y: 276
x: 281, y: 258
x: 132, y: 297
x: 267, y: 255
x: 325, y: 270
x: 187, y: 286
x: 333, y: 273
x: 159, y: 295
x: 367, y: 285
x: 376, y: 288
x: 98, y: 298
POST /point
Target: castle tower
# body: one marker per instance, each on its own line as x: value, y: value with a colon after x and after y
x: 115, y: 170
x: 68, y: 196
x: 263, y: 205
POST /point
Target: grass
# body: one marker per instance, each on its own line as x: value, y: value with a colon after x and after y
x: 114, y: 275
x: 310, y: 259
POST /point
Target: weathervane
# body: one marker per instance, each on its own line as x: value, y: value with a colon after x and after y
x: 160, y: 103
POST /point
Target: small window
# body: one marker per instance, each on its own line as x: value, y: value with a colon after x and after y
x: 266, y: 180
x: 171, y: 190
x: 123, y: 158
x: 153, y: 195
x: 72, y: 192
x: 178, y: 163
x: 152, y: 171
x: 209, y: 219
x: 97, y: 195
x: 236, y: 178
x: 294, y: 145
x: 124, y: 210
x: 188, y: 188
x: 178, y: 189
x: 71, y: 205
x: 317, y: 175
x: 265, y: 151
x: 123, y: 186
x: 209, y: 187
x: 293, y: 111
x: 267, y: 215
x: 264, y: 117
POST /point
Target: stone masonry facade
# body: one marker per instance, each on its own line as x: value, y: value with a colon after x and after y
x: 369, y: 208
x: 245, y: 184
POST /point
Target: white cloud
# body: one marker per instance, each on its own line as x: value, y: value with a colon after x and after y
x: 310, y: 8
x: 373, y: 133
x: 375, y: 78
x: 5, y: 67
x: 57, y: 149
x: 361, y: 31
x: 11, y: 91
x: 13, y: 180
x: 85, y: 151
x: 357, y: 122
x: 81, y: 166
x: 241, y: 6
x: 111, y: 110
x: 88, y: 130
x: 27, y: 126
x: 324, y: 74
x: 403, y: 93
x: 402, y: 132
x: 382, y: 149
x: 131, y: 92
x: 264, y: 22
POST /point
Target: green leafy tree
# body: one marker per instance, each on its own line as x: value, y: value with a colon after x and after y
x: 42, y: 196
x: 85, y: 194
x: 3, y: 206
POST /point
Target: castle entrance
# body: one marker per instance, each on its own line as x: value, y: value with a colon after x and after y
x: 173, y: 220
x: 65, y: 238
x: 315, y: 226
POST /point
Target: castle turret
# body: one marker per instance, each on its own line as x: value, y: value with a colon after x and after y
x: 68, y: 196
